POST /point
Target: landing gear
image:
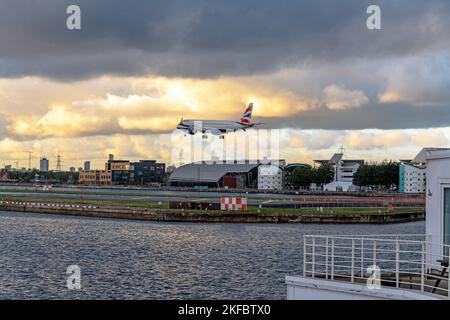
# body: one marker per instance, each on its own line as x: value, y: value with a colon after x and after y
x: 204, y: 136
x: 222, y: 137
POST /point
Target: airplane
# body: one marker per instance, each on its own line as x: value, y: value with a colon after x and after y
x: 218, y: 127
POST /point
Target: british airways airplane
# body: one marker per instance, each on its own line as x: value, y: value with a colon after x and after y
x: 218, y: 127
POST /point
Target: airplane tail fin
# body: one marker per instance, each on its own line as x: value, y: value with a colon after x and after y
x: 247, y: 116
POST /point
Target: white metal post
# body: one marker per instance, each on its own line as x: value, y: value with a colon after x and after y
x: 326, y: 258
x: 353, y: 261
x: 313, y: 269
x: 374, y: 252
x: 305, y: 238
x: 332, y: 259
x: 397, y: 263
x: 422, y: 271
x: 362, y: 258
x: 448, y: 272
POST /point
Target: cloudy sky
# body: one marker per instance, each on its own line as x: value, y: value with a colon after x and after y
x: 313, y: 69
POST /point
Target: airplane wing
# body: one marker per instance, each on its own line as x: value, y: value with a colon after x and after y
x: 214, y: 131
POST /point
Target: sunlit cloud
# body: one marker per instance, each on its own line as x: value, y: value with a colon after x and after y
x: 339, y: 98
x: 151, y: 104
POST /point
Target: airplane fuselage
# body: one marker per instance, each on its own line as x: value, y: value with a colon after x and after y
x: 218, y: 127
x: 213, y: 126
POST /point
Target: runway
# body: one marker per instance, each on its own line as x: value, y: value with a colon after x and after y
x: 254, y: 199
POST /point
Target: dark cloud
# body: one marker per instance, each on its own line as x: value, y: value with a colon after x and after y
x: 377, y: 116
x: 208, y: 38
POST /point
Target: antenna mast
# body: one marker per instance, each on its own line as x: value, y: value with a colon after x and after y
x: 29, y: 159
x: 58, y: 163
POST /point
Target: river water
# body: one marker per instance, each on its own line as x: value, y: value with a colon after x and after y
x: 122, y: 259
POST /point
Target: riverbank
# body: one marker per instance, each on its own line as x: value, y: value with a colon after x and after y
x: 332, y: 215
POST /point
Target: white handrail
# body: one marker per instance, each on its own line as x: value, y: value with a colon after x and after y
x: 400, y: 262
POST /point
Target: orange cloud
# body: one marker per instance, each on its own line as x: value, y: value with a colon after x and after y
x: 151, y: 104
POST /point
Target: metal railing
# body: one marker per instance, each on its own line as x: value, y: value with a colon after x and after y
x: 406, y: 261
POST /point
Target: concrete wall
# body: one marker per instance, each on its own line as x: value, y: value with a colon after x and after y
x: 301, y: 288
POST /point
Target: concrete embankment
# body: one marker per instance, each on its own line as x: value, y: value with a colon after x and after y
x: 168, y: 215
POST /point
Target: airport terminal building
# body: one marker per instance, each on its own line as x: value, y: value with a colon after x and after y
x: 229, y: 174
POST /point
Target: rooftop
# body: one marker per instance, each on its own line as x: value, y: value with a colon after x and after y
x: 213, y: 171
x: 422, y: 156
x: 338, y: 157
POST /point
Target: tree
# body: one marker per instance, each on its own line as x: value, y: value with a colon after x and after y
x: 389, y: 174
x: 300, y: 177
x: 52, y: 176
x: 385, y: 174
x: 324, y: 174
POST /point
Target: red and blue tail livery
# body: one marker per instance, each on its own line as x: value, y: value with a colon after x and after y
x: 247, y: 116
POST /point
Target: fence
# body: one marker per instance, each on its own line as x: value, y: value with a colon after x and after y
x: 361, y: 202
x: 401, y: 261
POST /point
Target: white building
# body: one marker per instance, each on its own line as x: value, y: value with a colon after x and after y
x: 344, y: 170
x: 43, y: 165
x: 270, y: 177
x: 413, y: 172
x: 412, y: 178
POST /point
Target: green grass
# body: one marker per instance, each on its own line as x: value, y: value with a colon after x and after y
x: 251, y: 209
x: 337, y: 211
x: 200, y: 195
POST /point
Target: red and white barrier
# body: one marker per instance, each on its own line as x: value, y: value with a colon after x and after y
x: 46, y: 204
x: 233, y: 204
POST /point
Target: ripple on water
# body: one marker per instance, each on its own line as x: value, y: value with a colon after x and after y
x: 122, y: 259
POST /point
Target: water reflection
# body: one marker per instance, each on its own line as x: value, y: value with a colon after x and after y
x: 140, y: 260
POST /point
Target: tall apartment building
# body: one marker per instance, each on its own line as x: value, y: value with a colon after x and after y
x: 413, y: 172
x: 412, y: 178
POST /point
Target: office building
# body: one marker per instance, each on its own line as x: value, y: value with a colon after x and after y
x: 343, y: 171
